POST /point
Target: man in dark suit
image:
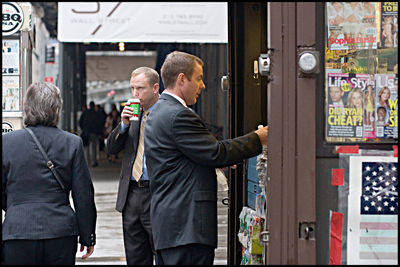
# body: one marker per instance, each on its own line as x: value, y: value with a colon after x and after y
x: 133, y: 192
x: 181, y: 159
x: 89, y: 123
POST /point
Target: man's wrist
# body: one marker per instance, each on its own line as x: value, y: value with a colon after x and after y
x: 123, y: 126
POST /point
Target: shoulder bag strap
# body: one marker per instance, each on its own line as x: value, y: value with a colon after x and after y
x: 49, y: 164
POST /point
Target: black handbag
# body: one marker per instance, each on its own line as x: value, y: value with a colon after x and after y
x: 49, y: 164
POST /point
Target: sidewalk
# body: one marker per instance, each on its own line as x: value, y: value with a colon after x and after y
x: 109, y: 249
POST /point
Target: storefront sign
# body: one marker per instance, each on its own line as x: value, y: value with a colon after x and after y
x: 7, y: 127
x: 13, y: 18
x: 204, y: 22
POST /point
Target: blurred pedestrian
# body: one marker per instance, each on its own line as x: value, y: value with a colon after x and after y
x: 114, y: 107
x: 40, y: 227
x: 133, y: 192
x: 112, y: 121
x: 102, y: 121
x: 89, y: 123
x: 181, y: 157
x: 84, y: 135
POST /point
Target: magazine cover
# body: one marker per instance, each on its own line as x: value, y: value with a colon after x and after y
x: 333, y: 58
x: 367, y: 38
x: 10, y: 60
x: 345, y: 108
x: 351, y: 25
x: 11, y: 93
x: 386, y: 106
x: 387, y: 61
x: 369, y: 108
x: 389, y: 25
x: 335, y: 17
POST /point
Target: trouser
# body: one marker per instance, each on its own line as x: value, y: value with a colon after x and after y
x: 93, y: 147
x: 138, y: 238
x: 191, y: 254
x: 55, y: 251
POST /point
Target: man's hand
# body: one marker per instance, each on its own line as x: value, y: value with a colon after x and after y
x: 127, y: 112
x: 89, y: 251
x: 263, y: 135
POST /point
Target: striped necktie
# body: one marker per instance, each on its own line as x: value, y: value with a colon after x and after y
x: 138, y: 163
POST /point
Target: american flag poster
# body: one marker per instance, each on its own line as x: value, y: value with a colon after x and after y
x: 372, y: 210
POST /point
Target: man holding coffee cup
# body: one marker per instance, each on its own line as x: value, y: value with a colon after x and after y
x: 133, y: 193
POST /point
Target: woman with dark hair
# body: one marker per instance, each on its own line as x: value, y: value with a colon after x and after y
x: 40, y: 227
x: 383, y: 101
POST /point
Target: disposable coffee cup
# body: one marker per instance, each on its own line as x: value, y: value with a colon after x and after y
x: 134, y: 103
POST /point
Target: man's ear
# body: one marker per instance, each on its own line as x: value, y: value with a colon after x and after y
x: 181, y: 78
x: 156, y: 86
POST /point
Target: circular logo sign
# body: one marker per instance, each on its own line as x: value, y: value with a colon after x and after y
x: 13, y: 17
x: 7, y: 127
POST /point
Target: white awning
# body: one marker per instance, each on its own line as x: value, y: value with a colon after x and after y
x: 142, y: 22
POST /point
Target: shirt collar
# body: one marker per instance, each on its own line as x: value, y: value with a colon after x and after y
x: 176, y: 97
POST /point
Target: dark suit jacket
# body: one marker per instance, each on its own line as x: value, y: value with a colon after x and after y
x: 91, y: 121
x: 127, y: 141
x: 35, y: 205
x: 181, y: 157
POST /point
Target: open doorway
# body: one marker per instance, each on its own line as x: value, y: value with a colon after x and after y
x: 247, y: 27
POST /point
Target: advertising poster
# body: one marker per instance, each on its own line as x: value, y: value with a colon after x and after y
x: 345, y: 108
x: 386, y: 105
x: 372, y: 224
x: 11, y: 93
x: 389, y: 25
x: 351, y: 25
x: 10, y: 57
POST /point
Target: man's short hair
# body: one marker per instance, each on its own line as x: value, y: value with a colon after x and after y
x: 42, y: 104
x: 151, y: 75
x: 175, y: 63
x: 332, y: 86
